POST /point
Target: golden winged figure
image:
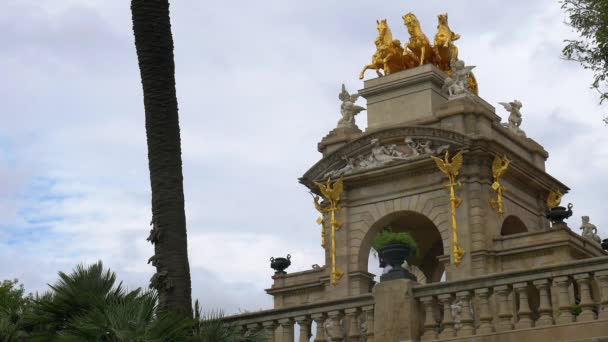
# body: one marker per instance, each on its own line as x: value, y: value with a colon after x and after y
x: 554, y: 199
x: 499, y: 168
x: 329, y: 192
x: 332, y: 193
x: 450, y: 168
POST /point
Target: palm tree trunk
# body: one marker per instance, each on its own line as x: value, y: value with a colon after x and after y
x: 154, y: 45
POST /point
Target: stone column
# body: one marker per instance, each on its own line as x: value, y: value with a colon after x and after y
x: 354, y: 329
x: 466, y: 319
x: 368, y: 311
x: 395, y: 312
x: 524, y: 314
x: 319, y: 319
x: 287, y: 330
x: 587, y: 304
x: 430, y: 325
x: 544, y: 307
x: 602, y: 279
x: 563, y: 297
x: 485, y: 317
x: 448, y: 320
x: 504, y: 310
x: 304, y: 323
x: 335, y: 330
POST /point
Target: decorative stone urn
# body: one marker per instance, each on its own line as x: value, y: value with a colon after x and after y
x: 605, y: 244
x: 393, y: 256
x: 280, y: 264
x: 557, y: 215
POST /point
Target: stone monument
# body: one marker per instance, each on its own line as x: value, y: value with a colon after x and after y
x: 436, y: 162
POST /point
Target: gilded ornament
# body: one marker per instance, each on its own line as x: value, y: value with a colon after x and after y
x: 332, y: 193
x: 320, y: 220
x: 389, y: 53
x: 445, y: 51
x: 499, y: 168
x: 554, y: 199
x: 391, y: 57
x: 451, y: 169
x: 419, y: 47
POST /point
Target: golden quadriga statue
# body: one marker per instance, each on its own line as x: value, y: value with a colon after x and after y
x: 391, y: 57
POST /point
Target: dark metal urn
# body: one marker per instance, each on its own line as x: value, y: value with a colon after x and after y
x: 557, y: 215
x: 605, y: 244
x: 394, y: 255
x: 280, y: 264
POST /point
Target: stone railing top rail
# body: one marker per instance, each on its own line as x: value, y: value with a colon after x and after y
x: 301, y: 310
x: 508, y: 278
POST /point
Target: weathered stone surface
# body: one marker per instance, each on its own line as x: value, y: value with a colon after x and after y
x: 395, y: 311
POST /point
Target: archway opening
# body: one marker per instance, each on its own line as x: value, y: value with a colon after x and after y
x: 422, y: 229
x: 513, y: 225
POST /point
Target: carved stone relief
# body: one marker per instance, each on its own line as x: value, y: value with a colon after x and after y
x: 381, y: 155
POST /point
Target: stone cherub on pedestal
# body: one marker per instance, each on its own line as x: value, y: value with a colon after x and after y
x: 457, y: 84
x: 514, y: 117
x: 589, y: 230
x: 348, y: 109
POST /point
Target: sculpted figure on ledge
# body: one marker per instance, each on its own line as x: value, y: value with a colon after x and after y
x: 589, y: 230
x: 348, y: 109
x: 515, y: 119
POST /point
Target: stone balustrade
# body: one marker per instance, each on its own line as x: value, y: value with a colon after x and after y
x: 550, y: 299
x: 507, y: 302
x: 350, y: 319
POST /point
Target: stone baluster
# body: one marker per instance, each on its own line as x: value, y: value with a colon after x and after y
x: 602, y: 279
x: 304, y: 323
x: 563, y: 297
x: 448, y: 321
x: 544, y: 307
x: 335, y: 331
x: 252, y: 328
x: 354, y: 329
x: 504, y: 310
x: 466, y: 319
x: 485, y: 317
x: 368, y: 311
x: 430, y: 325
x: 319, y: 319
x: 587, y: 304
x: 270, y: 328
x: 524, y: 314
x: 287, y: 330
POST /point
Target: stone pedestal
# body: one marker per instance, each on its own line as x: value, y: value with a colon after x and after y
x: 396, y: 316
x: 403, y: 97
x: 337, y: 138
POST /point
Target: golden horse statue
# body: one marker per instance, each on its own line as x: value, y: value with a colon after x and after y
x: 445, y: 50
x: 389, y: 53
x: 419, y: 44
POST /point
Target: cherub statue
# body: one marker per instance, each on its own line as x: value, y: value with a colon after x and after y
x: 589, y: 230
x: 348, y: 109
x: 458, y: 83
x: 514, y: 116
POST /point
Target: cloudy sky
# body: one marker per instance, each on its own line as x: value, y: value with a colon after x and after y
x: 257, y: 84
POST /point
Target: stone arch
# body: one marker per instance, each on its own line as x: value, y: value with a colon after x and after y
x: 512, y: 225
x: 427, y: 235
